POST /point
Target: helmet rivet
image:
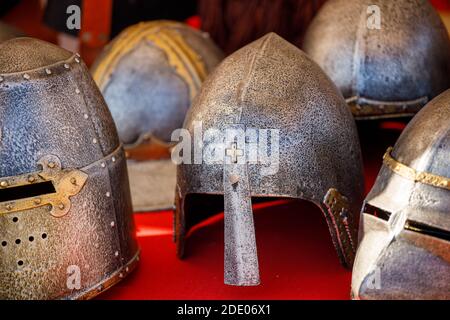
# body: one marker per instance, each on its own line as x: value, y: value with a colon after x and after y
x: 37, y: 201
x: 66, y: 66
x: 31, y: 179
x: 103, y: 165
x: 120, y: 275
x: 61, y: 206
x: 26, y: 76
x: 94, y: 141
x: 127, y: 269
x: 51, y: 165
x: 77, y: 91
x: 77, y: 60
x: 9, y: 207
x: 86, y: 116
x: 113, y: 224
x: 113, y: 159
x: 4, y: 184
x: 1, y: 79
x: 108, y: 194
x: 73, y: 180
x: 234, y: 179
x: 48, y: 71
x: 116, y: 253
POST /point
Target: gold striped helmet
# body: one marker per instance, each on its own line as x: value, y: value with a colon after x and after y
x: 149, y: 75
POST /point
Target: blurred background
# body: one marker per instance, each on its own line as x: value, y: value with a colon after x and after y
x: 231, y: 23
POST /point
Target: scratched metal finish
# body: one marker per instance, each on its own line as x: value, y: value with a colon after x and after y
x: 407, y: 59
x: 271, y: 84
x: 49, y: 105
x: 412, y: 265
x: 241, y: 265
x: 8, y: 32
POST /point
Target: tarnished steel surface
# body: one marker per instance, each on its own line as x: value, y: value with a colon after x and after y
x: 54, y: 119
x: 8, y: 32
x: 149, y: 75
x: 241, y: 259
x: 405, y: 233
x: 270, y: 84
x: 390, y: 71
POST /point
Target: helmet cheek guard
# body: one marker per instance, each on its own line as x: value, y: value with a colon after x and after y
x: 260, y: 143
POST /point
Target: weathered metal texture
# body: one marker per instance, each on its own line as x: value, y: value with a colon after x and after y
x: 405, y: 229
x: 54, y: 119
x: 8, y: 32
x: 270, y: 84
x: 149, y: 75
x: 388, y: 72
x: 241, y: 265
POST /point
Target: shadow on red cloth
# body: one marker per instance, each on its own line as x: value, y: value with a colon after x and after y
x: 296, y: 255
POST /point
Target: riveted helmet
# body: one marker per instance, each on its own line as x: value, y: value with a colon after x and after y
x: 267, y: 123
x: 389, y: 58
x: 148, y: 76
x: 66, y: 229
x: 405, y: 224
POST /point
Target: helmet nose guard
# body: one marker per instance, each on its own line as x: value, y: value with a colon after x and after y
x: 297, y: 123
x: 241, y: 258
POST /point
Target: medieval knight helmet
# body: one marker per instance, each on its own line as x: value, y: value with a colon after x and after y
x: 148, y: 76
x: 267, y: 123
x: 389, y: 58
x: 404, y: 251
x: 66, y: 230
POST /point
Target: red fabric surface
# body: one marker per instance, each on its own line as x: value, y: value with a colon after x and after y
x: 441, y: 5
x: 296, y: 255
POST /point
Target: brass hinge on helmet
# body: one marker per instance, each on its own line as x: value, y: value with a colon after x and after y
x: 52, y: 186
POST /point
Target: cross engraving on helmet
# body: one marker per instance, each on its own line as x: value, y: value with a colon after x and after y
x: 234, y: 152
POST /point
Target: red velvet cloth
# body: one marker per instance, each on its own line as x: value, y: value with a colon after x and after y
x: 296, y: 255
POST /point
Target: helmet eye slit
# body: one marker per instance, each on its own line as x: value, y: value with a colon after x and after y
x: 427, y: 230
x: 376, y: 212
x: 26, y: 191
